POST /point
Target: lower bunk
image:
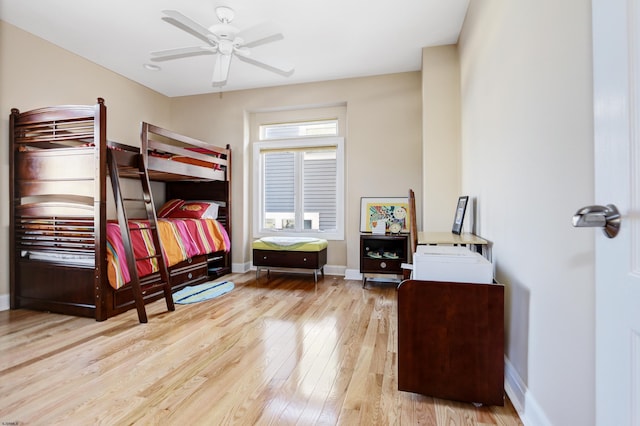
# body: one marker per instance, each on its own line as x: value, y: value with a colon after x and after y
x: 195, y: 251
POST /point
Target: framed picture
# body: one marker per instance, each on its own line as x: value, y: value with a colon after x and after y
x: 458, y: 218
x: 388, y: 212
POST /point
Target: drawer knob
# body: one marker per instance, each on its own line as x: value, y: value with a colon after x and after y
x: 190, y: 275
x: 189, y: 260
x: 304, y: 259
x: 383, y: 265
x: 265, y: 257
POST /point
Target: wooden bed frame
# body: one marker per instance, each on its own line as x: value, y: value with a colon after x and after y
x: 58, y: 186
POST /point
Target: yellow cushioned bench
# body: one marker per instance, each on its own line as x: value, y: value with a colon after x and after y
x: 290, y: 252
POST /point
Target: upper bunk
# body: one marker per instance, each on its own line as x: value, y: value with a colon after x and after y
x: 171, y: 157
x: 79, y: 131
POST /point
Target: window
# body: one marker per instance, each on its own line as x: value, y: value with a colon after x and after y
x: 298, y: 180
x: 297, y: 130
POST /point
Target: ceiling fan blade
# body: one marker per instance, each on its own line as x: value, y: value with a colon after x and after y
x: 182, y: 52
x: 221, y: 70
x: 282, y: 68
x: 259, y: 34
x: 187, y: 24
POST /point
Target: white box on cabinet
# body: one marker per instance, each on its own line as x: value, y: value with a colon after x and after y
x: 451, y: 264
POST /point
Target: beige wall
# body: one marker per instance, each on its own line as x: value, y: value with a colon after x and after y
x: 527, y: 155
x: 441, y: 138
x: 382, y: 143
x: 34, y: 74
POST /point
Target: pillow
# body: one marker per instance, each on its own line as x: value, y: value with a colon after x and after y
x: 169, y: 206
x: 195, y: 210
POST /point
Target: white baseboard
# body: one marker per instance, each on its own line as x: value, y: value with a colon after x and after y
x: 4, y: 302
x: 523, y: 401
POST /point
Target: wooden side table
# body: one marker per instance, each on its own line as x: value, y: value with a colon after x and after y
x: 382, y: 254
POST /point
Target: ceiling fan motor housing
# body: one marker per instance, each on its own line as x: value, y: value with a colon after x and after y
x: 224, y: 31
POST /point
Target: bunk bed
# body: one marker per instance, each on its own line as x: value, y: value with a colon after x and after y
x: 64, y: 253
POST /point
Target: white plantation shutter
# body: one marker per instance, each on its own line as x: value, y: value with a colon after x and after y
x: 299, y: 187
x: 279, y: 182
x: 320, y: 190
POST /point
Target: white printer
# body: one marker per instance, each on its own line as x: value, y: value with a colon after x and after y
x: 451, y: 264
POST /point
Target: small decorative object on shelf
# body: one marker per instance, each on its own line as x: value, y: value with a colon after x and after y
x: 461, y: 207
x: 379, y: 227
x: 395, y: 228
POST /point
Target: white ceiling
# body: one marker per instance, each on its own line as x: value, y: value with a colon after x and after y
x: 324, y: 39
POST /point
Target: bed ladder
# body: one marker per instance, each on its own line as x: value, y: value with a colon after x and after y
x: 135, y: 167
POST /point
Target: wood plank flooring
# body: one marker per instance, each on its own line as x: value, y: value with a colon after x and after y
x: 272, y: 351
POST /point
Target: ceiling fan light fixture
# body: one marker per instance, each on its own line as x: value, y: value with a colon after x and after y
x: 225, y: 47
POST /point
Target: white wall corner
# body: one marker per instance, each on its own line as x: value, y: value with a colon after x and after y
x: 4, y: 302
x: 523, y: 401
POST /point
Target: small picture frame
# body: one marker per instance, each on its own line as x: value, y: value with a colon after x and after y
x: 458, y: 218
x: 376, y: 213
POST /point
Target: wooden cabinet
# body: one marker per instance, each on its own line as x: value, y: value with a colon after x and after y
x: 382, y: 254
x: 451, y: 340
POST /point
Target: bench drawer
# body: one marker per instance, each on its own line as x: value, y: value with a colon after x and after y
x: 290, y: 259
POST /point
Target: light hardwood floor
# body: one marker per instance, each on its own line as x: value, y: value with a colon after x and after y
x: 273, y: 351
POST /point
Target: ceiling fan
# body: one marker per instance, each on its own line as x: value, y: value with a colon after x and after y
x: 224, y: 41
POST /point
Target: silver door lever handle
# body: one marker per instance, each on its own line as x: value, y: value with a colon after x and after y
x: 605, y: 217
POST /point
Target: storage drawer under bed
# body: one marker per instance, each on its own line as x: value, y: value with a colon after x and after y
x: 188, y: 271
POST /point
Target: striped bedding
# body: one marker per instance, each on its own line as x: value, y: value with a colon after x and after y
x: 180, y: 238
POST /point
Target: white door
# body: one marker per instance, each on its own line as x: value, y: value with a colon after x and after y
x: 616, y: 41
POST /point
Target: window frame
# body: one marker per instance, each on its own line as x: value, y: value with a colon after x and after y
x: 298, y: 143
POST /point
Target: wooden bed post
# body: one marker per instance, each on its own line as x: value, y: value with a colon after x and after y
x: 100, y: 208
x: 14, y: 300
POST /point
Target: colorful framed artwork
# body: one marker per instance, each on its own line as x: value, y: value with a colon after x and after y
x: 458, y: 218
x: 376, y: 213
